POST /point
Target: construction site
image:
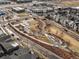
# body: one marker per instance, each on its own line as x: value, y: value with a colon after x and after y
x: 39, y: 29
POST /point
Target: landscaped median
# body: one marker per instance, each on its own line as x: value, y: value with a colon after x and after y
x: 58, y: 51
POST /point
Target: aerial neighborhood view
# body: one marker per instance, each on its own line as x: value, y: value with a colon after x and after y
x: 39, y: 29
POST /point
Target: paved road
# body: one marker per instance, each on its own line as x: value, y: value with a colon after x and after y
x: 13, y: 5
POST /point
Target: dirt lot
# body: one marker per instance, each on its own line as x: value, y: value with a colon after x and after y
x: 71, y: 3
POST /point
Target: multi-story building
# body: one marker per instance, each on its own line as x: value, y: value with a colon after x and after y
x: 4, y: 1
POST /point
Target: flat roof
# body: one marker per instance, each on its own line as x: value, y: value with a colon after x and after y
x: 4, y: 0
x: 9, y: 45
x: 21, y: 53
x: 1, y: 32
x: 18, y: 8
x: 75, y: 7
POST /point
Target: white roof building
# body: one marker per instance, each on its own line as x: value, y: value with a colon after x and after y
x: 18, y: 8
